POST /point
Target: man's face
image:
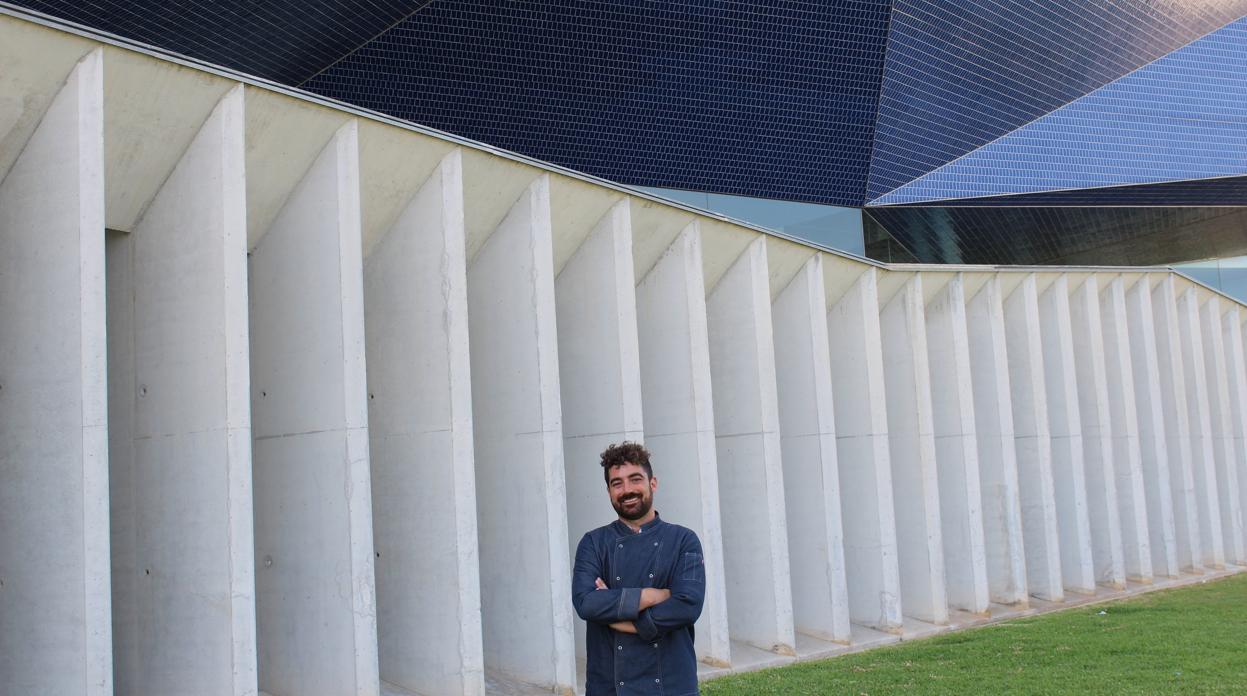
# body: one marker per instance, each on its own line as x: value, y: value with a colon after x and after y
x: 631, y: 491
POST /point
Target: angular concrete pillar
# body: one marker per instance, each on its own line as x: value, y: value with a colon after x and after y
x: 55, y: 600
x: 679, y: 417
x: 1203, y: 446
x: 1034, y: 443
x: 1173, y: 396
x: 599, y: 368
x: 315, y: 609
x: 997, y: 458
x: 870, y: 544
x: 1091, y: 381
x: 1236, y: 364
x: 420, y: 440
x: 746, y: 427
x: 911, y: 445
x: 808, y: 443
x: 1064, y: 423
x: 1154, y: 446
x: 956, y: 449
x: 180, y: 428
x: 1223, y: 446
x: 1123, y: 423
x: 517, y: 421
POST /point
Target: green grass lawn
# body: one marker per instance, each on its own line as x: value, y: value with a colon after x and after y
x: 1187, y: 640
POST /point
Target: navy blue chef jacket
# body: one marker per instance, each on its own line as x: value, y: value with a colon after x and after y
x: 659, y: 658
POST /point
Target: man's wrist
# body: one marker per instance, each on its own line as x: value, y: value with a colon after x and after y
x: 653, y: 595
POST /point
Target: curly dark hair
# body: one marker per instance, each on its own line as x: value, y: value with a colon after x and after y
x: 625, y: 453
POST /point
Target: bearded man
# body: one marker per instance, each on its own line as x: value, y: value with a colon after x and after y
x: 639, y: 583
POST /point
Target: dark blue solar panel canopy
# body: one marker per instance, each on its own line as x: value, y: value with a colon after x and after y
x: 923, y: 111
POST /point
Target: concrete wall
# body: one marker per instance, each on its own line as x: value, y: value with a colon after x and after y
x: 911, y: 446
x: 180, y: 428
x: 315, y: 599
x: 997, y: 454
x: 746, y: 427
x: 870, y: 538
x: 1176, y: 418
x: 811, y: 468
x: 1203, y: 446
x: 525, y: 600
x: 599, y: 367
x: 420, y: 441
x: 679, y: 416
x: 56, y: 630
x: 1153, y: 429
x: 1091, y: 380
x: 1033, y: 441
x: 1225, y: 485
x: 957, y: 449
x: 1123, y: 425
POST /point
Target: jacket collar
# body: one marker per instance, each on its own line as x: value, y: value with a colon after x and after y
x: 625, y: 530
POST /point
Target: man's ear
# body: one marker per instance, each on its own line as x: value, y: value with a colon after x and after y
x: 653, y: 483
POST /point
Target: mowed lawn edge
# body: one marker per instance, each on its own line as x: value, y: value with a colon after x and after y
x: 1186, y: 640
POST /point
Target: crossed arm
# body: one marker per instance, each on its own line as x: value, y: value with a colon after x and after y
x: 647, y: 612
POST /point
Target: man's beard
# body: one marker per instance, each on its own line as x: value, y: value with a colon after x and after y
x: 635, y: 513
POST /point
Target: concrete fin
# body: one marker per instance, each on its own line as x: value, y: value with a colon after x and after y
x: 1224, y: 446
x: 599, y: 368
x: 1154, y: 444
x: 808, y: 448
x: 1203, y: 443
x: 56, y: 635
x: 180, y: 427
x: 1123, y: 424
x: 997, y: 449
x: 1236, y: 367
x: 679, y: 415
x: 1176, y: 417
x: 1033, y: 441
x: 1100, y: 466
x: 420, y: 441
x: 747, y: 439
x: 518, y: 435
x: 957, y: 449
x: 911, y: 447
x: 315, y: 608
x: 870, y: 536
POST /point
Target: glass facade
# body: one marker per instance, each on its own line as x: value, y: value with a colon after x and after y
x: 1228, y: 275
x: 829, y: 225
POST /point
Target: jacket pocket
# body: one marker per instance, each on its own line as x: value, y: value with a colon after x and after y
x: 693, y: 567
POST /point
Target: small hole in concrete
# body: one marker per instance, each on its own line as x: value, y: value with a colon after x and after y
x: 263, y: 394
x: 378, y: 554
x: 147, y: 571
x: 372, y: 396
x: 143, y: 391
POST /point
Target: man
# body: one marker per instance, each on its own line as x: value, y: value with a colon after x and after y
x: 639, y: 584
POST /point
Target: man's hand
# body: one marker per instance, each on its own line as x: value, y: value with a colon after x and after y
x: 653, y: 595
x: 624, y: 627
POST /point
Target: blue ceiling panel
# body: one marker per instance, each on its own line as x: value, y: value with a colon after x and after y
x: 962, y: 74
x: 284, y: 41
x: 771, y: 98
x: 1181, y: 117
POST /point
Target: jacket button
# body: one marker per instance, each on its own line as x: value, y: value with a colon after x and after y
x: 616, y: 578
x: 621, y: 546
x: 655, y: 645
x: 657, y: 680
x: 651, y: 575
x: 621, y: 647
x: 621, y: 683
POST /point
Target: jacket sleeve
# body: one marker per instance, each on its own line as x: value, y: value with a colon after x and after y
x: 592, y: 604
x: 688, y: 591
